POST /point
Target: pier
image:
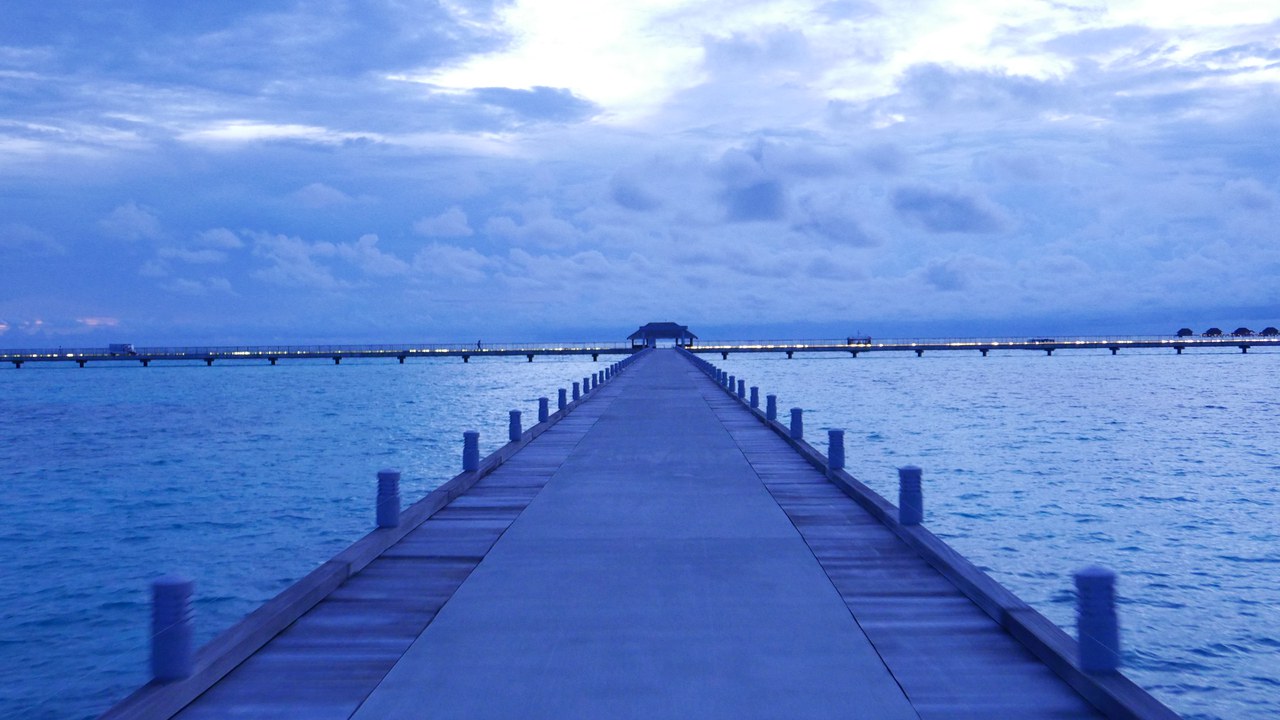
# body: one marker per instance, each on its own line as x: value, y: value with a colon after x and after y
x: 660, y: 546
x: 853, y: 347
x: 273, y: 354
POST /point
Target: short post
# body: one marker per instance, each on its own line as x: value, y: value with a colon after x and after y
x: 544, y: 409
x: 388, y: 498
x: 470, y: 451
x: 586, y: 386
x: 797, y: 423
x: 771, y: 407
x: 910, y: 496
x: 733, y: 382
x: 742, y: 389
x: 514, y: 431
x: 835, y: 451
x: 1096, y: 624
x: 576, y: 395
x: 172, y: 629
x: 755, y: 396
x: 562, y: 399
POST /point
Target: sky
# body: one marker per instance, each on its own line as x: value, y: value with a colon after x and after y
x: 405, y: 171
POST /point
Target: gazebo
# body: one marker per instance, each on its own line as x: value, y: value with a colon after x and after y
x: 649, y: 335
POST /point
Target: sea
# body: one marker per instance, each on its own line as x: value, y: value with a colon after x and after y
x: 244, y: 477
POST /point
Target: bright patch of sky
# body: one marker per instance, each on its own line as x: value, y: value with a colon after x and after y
x: 405, y: 170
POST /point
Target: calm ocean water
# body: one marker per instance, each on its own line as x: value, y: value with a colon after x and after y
x: 245, y: 477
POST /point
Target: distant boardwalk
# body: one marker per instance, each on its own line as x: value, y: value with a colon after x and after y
x: 657, y: 552
x: 273, y: 354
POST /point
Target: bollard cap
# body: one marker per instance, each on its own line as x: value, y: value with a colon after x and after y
x: 471, y: 433
x: 1094, y: 574
x: 909, y: 471
x: 389, y: 473
x: 173, y: 583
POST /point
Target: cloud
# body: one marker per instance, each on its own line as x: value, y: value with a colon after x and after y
x: 132, y: 222
x: 236, y: 132
x: 1093, y: 42
x: 1250, y: 194
x: 628, y: 190
x: 832, y: 217
x: 538, y: 104
x: 452, y: 262
x: 750, y: 192
x: 218, y: 239
x: 318, y: 195
x: 294, y: 262
x: 24, y: 240
x: 539, y: 231
x: 450, y: 223
x: 959, y: 272
x: 942, y: 211
x: 198, y: 288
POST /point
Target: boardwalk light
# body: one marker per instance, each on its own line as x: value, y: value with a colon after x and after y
x: 172, y: 629
x: 835, y: 451
x: 514, y: 431
x: 771, y: 408
x: 388, y: 507
x: 1096, y: 624
x: 544, y: 409
x: 755, y: 397
x: 910, y: 496
x: 797, y: 423
x: 470, y: 451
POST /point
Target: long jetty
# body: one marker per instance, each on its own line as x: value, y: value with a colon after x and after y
x: 659, y: 546
x: 853, y: 346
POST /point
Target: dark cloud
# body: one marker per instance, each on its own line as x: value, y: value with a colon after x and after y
x: 628, y: 192
x: 938, y: 87
x: 222, y: 45
x: 762, y: 200
x: 833, y: 218
x: 942, y: 211
x: 539, y: 103
x: 959, y: 273
x: 885, y: 158
x: 751, y: 192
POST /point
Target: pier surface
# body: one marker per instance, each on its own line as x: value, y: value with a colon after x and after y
x: 657, y: 553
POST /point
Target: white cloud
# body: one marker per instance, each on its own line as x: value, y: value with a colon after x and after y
x: 132, y: 222
x: 318, y: 195
x: 218, y: 239
x: 235, y: 132
x: 452, y: 262
x: 330, y: 266
x: 450, y: 223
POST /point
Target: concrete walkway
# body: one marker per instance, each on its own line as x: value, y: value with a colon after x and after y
x: 654, y: 576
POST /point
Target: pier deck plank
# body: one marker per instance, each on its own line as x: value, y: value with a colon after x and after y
x: 657, y: 553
